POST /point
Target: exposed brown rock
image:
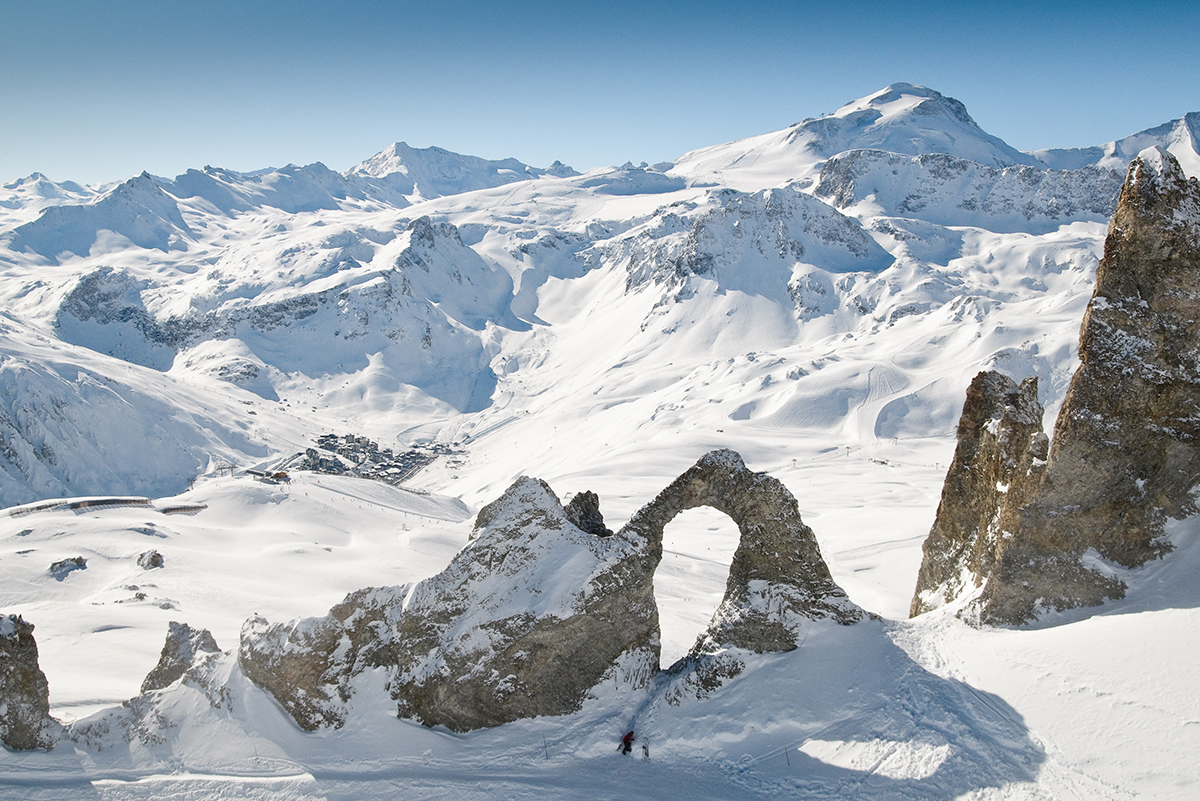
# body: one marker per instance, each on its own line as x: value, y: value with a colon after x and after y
x: 584, y: 511
x: 25, y: 721
x: 308, y: 665
x: 777, y: 579
x: 534, y: 612
x: 1000, y: 455
x: 1126, y: 451
x: 184, y: 644
x: 525, y: 620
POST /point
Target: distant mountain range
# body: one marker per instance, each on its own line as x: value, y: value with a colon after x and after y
x: 424, y: 288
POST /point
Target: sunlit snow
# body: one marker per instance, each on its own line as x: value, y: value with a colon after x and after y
x: 601, y: 332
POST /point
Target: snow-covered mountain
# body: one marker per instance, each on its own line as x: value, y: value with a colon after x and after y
x: 1179, y: 137
x: 23, y: 199
x: 817, y: 299
x: 433, y: 172
x: 903, y: 118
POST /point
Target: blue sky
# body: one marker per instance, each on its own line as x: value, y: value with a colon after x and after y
x: 99, y: 91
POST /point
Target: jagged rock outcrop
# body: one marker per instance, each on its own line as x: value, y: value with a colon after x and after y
x: 25, y: 721
x: 523, y: 622
x: 526, y: 619
x: 104, y: 311
x: 536, y: 611
x: 584, y: 511
x: 778, y: 579
x: 183, y: 646
x: 1000, y: 455
x: 309, y: 665
x: 1126, y: 449
x: 151, y: 559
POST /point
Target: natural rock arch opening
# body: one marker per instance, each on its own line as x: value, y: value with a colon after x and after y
x: 691, y: 579
x: 563, y: 603
x: 777, y: 577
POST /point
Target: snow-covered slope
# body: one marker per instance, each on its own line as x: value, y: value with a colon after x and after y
x: 434, y: 172
x: 292, y: 189
x: 903, y: 118
x: 75, y: 422
x: 817, y: 299
x: 22, y: 200
x: 136, y: 212
x: 1181, y: 137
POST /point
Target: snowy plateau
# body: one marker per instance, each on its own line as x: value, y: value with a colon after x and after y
x: 408, y: 339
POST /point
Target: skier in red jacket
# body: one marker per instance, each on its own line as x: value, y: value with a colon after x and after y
x: 627, y: 743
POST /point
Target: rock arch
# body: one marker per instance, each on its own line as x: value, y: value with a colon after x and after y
x: 536, y: 610
x: 777, y: 579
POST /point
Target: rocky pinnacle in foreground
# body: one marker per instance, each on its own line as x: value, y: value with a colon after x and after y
x: 25, y: 721
x: 1126, y: 450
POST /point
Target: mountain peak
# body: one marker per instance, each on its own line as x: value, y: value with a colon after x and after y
x: 898, y: 101
x: 903, y: 118
x: 919, y: 100
x: 909, y: 119
x: 435, y: 172
x: 1181, y: 138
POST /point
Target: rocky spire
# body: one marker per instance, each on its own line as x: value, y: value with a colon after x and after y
x: 25, y: 721
x: 183, y: 647
x: 1126, y: 449
x: 1000, y: 454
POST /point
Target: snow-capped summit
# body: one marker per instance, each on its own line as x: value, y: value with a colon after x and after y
x: 38, y: 185
x: 909, y: 119
x: 435, y: 172
x: 23, y: 199
x: 138, y: 211
x: 1181, y: 138
x: 903, y: 118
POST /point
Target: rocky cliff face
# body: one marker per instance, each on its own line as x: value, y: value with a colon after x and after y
x: 527, y: 619
x: 523, y: 622
x: 309, y: 665
x: 1126, y: 450
x: 536, y: 611
x: 778, y: 579
x: 739, y: 240
x: 183, y: 646
x: 1000, y: 455
x: 25, y: 721
x: 954, y: 191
